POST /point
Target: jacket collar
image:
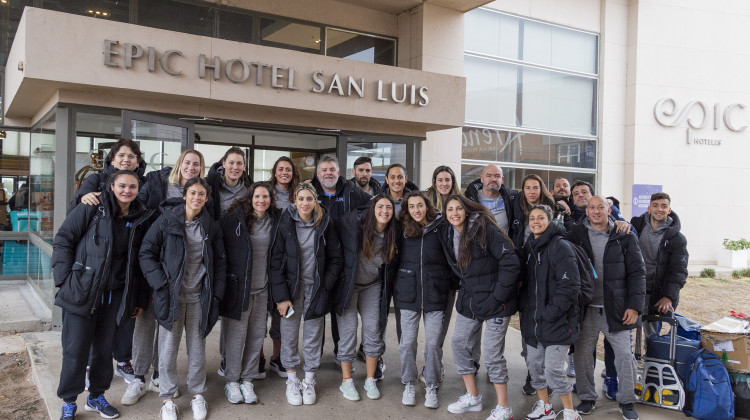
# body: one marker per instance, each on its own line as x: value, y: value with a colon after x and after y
x: 174, y: 219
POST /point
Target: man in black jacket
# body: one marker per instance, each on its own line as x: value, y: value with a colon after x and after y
x: 362, y: 176
x: 619, y: 293
x: 335, y: 193
x: 665, y: 254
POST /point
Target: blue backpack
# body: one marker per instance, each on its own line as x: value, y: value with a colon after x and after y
x: 709, y: 392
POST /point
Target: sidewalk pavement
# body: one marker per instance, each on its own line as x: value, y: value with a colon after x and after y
x: 46, y: 357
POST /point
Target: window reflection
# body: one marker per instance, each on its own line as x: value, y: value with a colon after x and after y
x: 514, y: 176
x: 360, y: 47
x: 290, y: 35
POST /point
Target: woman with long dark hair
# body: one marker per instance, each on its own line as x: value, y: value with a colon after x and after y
x: 249, y: 229
x: 423, y: 289
x: 101, y: 286
x: 444, y: 185
x: 368, y: 238
x: 183, y: 259
x: 305, y: 266
x: 550, y: 321
x: 485, y: 260
x: 533, y: 192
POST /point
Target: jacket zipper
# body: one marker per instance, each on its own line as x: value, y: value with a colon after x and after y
x: 421, y: 269
x: 351, y: 283
x: 104, y: 275
x: 316, y: 285
x: 208, y: 274
x: 127, y: 267
x: 536, y: 293
x: 247, y: 284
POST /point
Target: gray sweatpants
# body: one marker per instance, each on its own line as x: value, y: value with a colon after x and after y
x: 244, y: 339
x: 312, y: 336
x: 407, y: 347
x: 622, y: 343
x: 189, y: 318
x: 447, y: 314
x: 145, y: 342
x: 465, y: 332
x: 547, y: 367
x: 366, y: 302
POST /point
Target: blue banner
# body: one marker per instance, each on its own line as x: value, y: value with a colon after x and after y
x: 642, y: 197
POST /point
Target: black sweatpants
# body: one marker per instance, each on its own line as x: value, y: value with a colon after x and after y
x: 81, y: 334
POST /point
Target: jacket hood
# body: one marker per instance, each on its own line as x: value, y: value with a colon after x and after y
x: 671, y: 230
x: 429, y: 226
x: 552, y: 230
x: 169, y: 203
x: 174, y: 219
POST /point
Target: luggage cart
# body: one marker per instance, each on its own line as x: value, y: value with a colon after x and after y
x: 658, y: 383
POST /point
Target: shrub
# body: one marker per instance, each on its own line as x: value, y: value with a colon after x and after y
x: 737, y: 245
x: 708, y: 272
x: 745, y: 272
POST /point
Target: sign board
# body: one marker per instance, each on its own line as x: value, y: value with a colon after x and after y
x: 642, y: 197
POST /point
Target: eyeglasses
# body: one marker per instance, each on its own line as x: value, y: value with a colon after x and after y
x: 123, y: 156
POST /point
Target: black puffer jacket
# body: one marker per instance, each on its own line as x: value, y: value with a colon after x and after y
x: 163, y: 262
x: 375, y: 186
x: 671, y: 261
x: 239, y: 250
x: 97, y: 182
x: 214, y: 179
x: 624, y: 274
x: 154, y: 191
x: 350, y: 233
x: 550, y: 290
x: 81, y: 257
x: 489, y: 285
x: 424, y: 276
x: 286, y: 263
x: 347, y: 198
x: 520, y: 221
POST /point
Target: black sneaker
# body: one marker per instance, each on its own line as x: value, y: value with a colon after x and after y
x: 276, y: 366
x: 100, y: 405
x: 68, y: 411
x: 628, y: 412
x: 586, y: 407
x: 527, y: 388
x: 261, y: 368
x: 379, y: 370
x: 222, y: 366
x: 125, y: 371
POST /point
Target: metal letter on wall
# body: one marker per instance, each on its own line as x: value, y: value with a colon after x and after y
x: 660, y: 113
x: 728, y: 117
x: 164, y: 61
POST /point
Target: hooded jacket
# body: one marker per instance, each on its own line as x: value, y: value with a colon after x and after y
x: 239, y: 251
x: 671, y: 261
x: 520, y: 221
x: 550, y: 290
x: 347, y: 198
x: 286, y: 259
x: 374, y: 184
x: 624, y: 277
x: 163, y: 262
x: 214, y: 178
x: 97, y: 182
x: 350, y: 233
x: 424, y: 276
x: 489, y: 285
x: 81, y: 257
x: 154, y: 192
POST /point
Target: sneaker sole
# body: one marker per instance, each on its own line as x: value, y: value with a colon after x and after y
x: 241, y: 400
x: 585, y: 413
x: 623, y: 416
x: 87, y: 407
x: 133, y: 401
x: 124, y: 378
x: 409, y: 403
x: 281, y: 373
x: 431, y: 406
x: 373, y: 397
x: 474, y: 408
x: 252, y: 402
x: 358, y: 398
x: 308, y: 402
x: 295, y: 403
x: 220, y: 372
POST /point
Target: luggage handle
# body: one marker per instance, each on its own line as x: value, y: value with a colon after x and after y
x: 669, y: 319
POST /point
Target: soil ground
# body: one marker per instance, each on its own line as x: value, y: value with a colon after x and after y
x: 703, y: 299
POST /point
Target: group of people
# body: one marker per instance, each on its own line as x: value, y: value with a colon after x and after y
x: 140, y: 260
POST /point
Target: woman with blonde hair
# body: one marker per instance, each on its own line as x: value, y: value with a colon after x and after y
x: 306, y: 262
x: 169, y: 182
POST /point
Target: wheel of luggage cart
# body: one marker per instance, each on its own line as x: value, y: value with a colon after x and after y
x: 658, y: 383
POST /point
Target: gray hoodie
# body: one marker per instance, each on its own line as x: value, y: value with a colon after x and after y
x: 195, y: 270
x: 306, y: 241
x: 649, y: 242
x: 227, y: 194
x: 598, y: 244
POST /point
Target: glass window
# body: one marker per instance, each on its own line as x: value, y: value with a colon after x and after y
x: 212, y: 153
x: 235, y: 26
x: 383, y: 155
x: 509, y: 146
x: 558, y: 47
x: 41, y: 180
x: 360, y: 47
x: 491, y: 33
x: 117, y: 10
x: 177, y: 16
x: 514, y: 176
x: 297, y: 36
x: 491, y: 91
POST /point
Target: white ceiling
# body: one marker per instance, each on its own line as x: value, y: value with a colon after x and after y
x: 400, y: 6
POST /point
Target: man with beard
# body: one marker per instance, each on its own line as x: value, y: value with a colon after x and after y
x: 490, y: 192
x: 335, y: 193
x: 362, y: 176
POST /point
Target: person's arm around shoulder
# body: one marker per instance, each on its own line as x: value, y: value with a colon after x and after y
x: 508, y: 266
x: 150, y: 256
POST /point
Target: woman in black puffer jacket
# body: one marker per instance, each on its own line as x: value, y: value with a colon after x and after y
x: 485, y: 260
x: 101, y: 287
x: 425, y: 285
x: 550, y: 317
x: 305, y: 267
x: 183, y: 259
x: 368, y: 239
x: 249, y: 228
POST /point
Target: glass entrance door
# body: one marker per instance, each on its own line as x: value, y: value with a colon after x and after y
x: 161, y: 139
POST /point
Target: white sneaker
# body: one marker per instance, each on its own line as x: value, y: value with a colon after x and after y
x: 409, y: 397
x: 248, y: 392
x: 308, y: 392
x: 200, y: 409
x: 293, y: 394
x: 233, y: 393
x: 371, y: 386
x: 430, y: 397
x: 541, y: 411
x: 466, y: 403
x: 169, y: 411
x: 571, y: 415
x: 501, y: 413
x: 349, y: 390
x: 136, y: 389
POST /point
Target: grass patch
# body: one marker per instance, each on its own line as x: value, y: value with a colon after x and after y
x: 708, y: 272
x: 745, y: 272
x: 722, y: 280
